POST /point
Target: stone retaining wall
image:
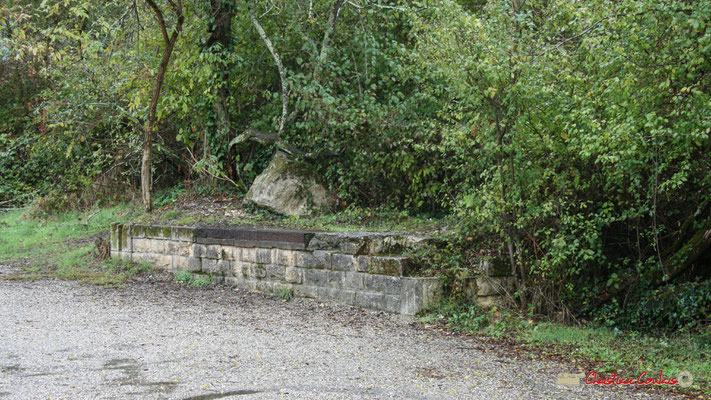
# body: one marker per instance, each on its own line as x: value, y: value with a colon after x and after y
x: 363, y: 269
x: 366, y: 270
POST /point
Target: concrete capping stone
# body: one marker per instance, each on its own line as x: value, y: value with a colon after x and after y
x: 248, y: 243
x: 261, y: 237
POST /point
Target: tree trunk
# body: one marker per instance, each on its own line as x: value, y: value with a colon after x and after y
x: 220, y: 33
x: 146, y: 162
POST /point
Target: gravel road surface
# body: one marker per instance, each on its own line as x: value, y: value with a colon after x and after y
x: 158, y: 340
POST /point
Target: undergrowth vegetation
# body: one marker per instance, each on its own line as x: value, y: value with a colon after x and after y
x: 589, y: 347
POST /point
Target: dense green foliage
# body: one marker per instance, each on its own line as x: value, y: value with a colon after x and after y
x: 570, y: 138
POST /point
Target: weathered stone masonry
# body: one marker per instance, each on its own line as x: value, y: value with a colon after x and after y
x: 361, y: 269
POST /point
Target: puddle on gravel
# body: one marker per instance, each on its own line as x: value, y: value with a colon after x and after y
x: 132, y: 376
x: 214, y: 396
x: 11, y: 369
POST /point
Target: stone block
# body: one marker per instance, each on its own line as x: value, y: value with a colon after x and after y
x: 264, y: 286
x: 115, y: 254
x: 137, y: 231
x: 238, y: 268
x: 394, y: 266
x: 306, y: 291
x: 228, y: 253
x: 264, y: 256
x: 495, y: 266
x: 337, y: 296
x: 315, y: 277
x: 278, y: 287
x: 353, y: 280
x: 125, y: 240
x: 142, y: 245
x: 494, y: 286
x: 314, y: 259
x: 125, y: 255
x: 198, y: 250
x: 209, y: 266
x: 158, y: 246
x: 283, y: 257
x: 257, y: 271
x: 293, y: 274
x: 363, y: 264
x: 275, y: 272
x: 183, y: 233
x: 212, y: 251
x: 419, y: 294
x: 386, y: 245
x: 158, y: 261
x: 344, y: 242
x: 486, y: 302
x: 115, y: 235
x: 378, y: 301
x: 343, y: 262
x: 248, y: 255
x: 177, y: 248
x: 236, y: 253
x: 334, y: 279
x: 194, y: 264
x: 237, y: 281
x: 180, y: 263
x: 383, y: 284
x: 250, y: 284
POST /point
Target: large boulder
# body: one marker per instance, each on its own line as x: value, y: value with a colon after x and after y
x: 289, y: 187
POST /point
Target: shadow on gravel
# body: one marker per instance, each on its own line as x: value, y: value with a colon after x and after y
x: 213, y: 396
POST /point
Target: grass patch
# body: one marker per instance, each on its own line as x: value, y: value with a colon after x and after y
x: 352, y: 218
x: 194, y: 280
x: 285, y: 293
x: 61, y: 246
x: 628, y: 353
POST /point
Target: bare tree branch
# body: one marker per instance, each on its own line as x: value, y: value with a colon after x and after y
x: 280, y: 68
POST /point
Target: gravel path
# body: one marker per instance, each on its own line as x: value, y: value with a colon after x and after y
x: 157, y: 340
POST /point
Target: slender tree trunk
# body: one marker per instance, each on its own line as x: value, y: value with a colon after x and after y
x: 280, y: 68
x: 221, y: 33
x: 169, y: 42
x: 327, y: 37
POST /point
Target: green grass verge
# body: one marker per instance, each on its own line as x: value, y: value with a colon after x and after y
x: 194, y: 280
x: 588, y: 347
x: 61, y: 246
